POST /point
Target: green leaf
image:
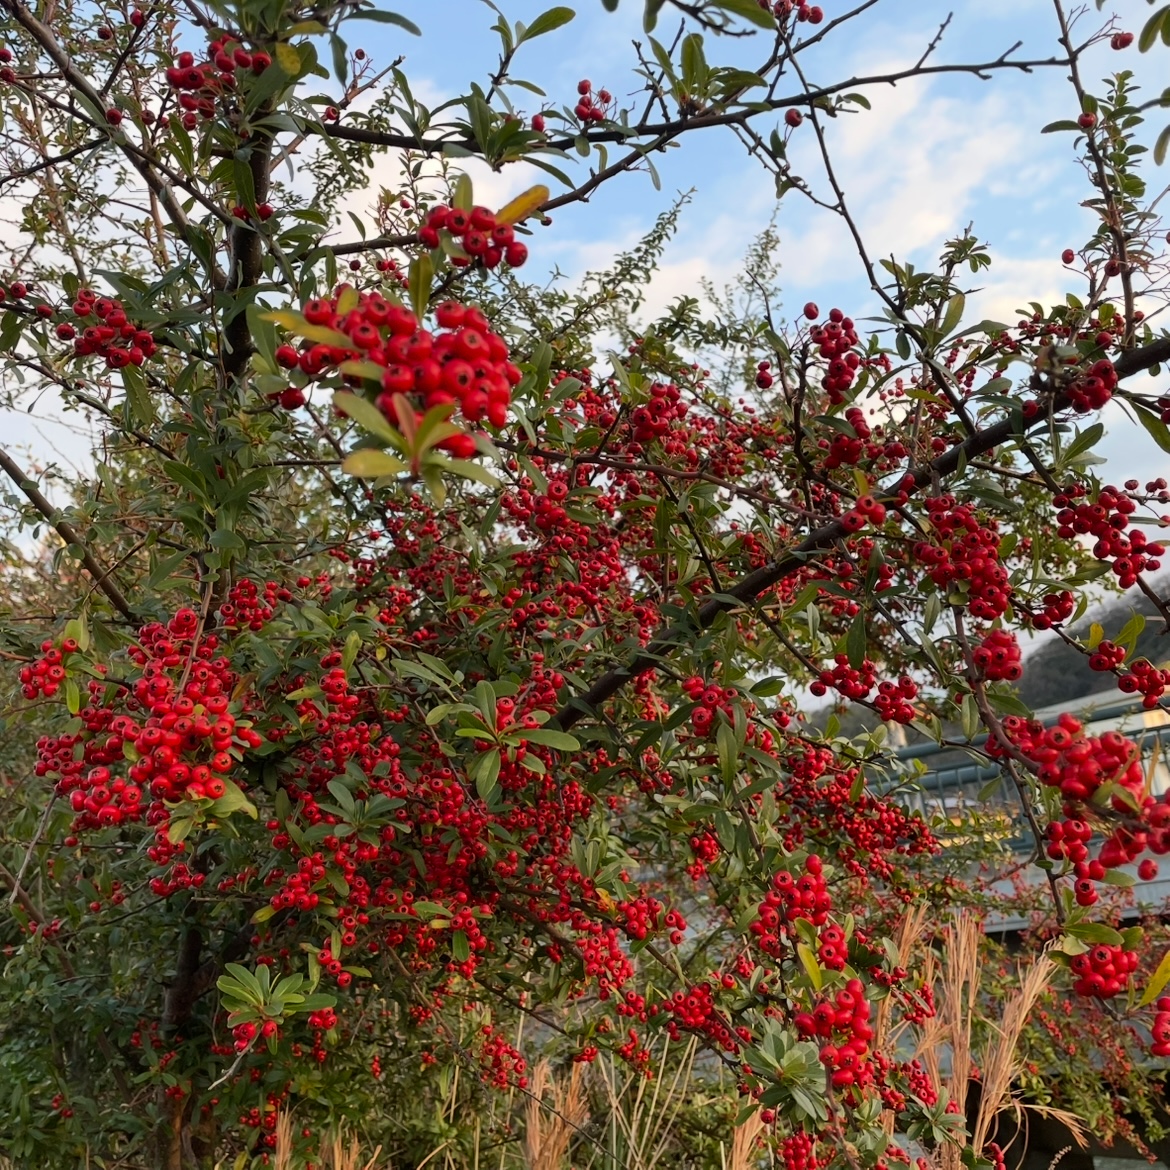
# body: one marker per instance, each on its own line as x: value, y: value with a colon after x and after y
x: 546, y: 22
x: 747, y: 10
x: 233, y: 800
x: 1154, y: 425
x: 1131, y: 631
x: 809, y: 962
x: 393, y: 18
x: 954, y: 314
x: 295, y: 322
x: 1161, y: 146
x: 694, y: 64
x: 463, y: 196
x: 970, y: 717
x: 364, y: 412
x: 486, y: 770
x: 1155, y: 25
x: 1063, y: 124
x: 460, y: 947
x: 855, y: 641
x: 1085, y: 441
x: 421, y: 273
x: 1095, y: 932
x: 370, y: 464
x: 1158, y: 981
x: 550, y: 737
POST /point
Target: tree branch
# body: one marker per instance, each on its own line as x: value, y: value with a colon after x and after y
x: 68, y: 533
x: 760, y: 580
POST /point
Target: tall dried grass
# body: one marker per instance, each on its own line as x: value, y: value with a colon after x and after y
x: 959, y: 1008
x: 553, y: 1112
x: 745, y: 1154
x: 336, y: 1152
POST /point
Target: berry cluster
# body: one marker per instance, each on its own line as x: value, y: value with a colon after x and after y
x: 464, y: 363
x: 998, y: 656
x: 1107, y: 656
x: 710, y: 698
x: 695, y: 1010
x: 44, y: 675
x: 1146, y: 678
x: 783, y: 9
x: 1093, y: 773
x: 116, y: 338
x: 866, y: 510
x: 1160, y: 1029
x: 1068, y: 840
x: 893, y: 700
x: 1078, y: 764
x: 843, y: 1024
x: 835, y: 341
x: 1107, y: 520
x: 202, y: 85
x: 832, y: 949
x: 1058, y: 608
x: 476, y: 234
x: 1103, y: 971
x: 853, y: 683
x: 845, y: 448
x: 654, y: 418
x: 706, y: 849
x: 966, y: 553
x: 183, y: 748
x: 790, y: 898
x: 1093, y: 389
x: 591, y: 106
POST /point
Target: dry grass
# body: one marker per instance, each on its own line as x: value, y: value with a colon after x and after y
x: 640, y: 1112
x: 957, y: 996
x: 744, y: 1149
x: 336, y: 1153
x: 553, y: 1112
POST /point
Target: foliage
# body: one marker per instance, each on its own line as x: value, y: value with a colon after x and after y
x: 413, y: 691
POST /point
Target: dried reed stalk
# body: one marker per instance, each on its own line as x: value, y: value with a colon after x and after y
x: 335, y: 1153
x: 957, y: 1009
x: 743, y: 1143
x: 553, y: 1111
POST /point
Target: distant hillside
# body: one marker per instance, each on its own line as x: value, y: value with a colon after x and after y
x: 1054, y: 672
x: 1057, y: 673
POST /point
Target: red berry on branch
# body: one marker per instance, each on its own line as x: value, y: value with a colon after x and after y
x: 793, y: 118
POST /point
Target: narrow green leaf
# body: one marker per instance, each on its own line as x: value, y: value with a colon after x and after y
x: 546, y: 22
x: 382, y: 17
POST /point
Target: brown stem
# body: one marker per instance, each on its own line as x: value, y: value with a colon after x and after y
x: 68, y: 534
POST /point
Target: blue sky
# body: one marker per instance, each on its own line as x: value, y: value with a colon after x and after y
x: 931, y: 157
